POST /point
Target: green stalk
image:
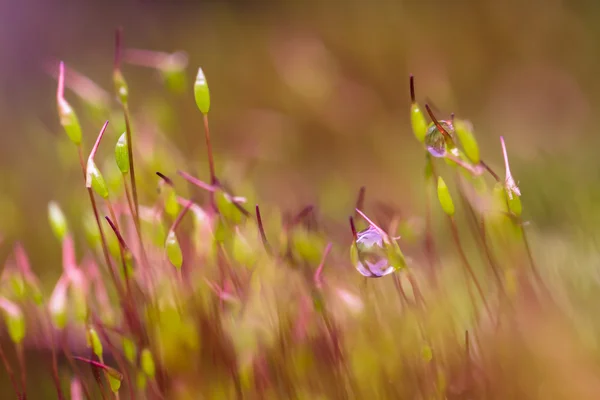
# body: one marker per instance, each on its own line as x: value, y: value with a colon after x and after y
x: 467, y: 264
x: 103, y: 241
x: 10, y: 372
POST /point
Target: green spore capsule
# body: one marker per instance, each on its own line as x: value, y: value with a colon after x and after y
x: 444, y: 197
x: 122, y: 154
x: 201, y: 92
x: 173, y: 250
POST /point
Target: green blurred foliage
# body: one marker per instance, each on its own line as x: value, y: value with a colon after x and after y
x: 308, y: 103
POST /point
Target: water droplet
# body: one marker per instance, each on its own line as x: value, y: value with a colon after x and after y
x: 435, y: 140
x: 372, y: 259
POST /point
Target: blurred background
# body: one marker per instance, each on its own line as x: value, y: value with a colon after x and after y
x: 310, y: 99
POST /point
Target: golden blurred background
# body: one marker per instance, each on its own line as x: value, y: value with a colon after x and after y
x: 310, y: 99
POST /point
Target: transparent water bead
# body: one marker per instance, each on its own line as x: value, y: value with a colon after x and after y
x: 371, y: 255
x: 435, y: 140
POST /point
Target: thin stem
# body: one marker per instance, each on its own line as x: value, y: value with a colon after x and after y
x: 105, y: 245
x: 23, y: 368
x: 165, y: 178
x: 126, y: 115
x: 467, y: 265
x: 76, y: 371
x: 415, y: 288
x: 479, y: 227
x: 112, y: 213
x: 299, y: 217
x: 129, y: 199
x: 197, y: 182
x: 122, y: 250
x: 55, y: 377
x: 181, y: 215
x: 96, y: 215
x: 412, y: 89
x: 353, y: 229
x: 375, y: 226
x: 120, y: 361
x: 211, y: 162
x: 429, y: 243
x: 490, y: 170
x: 439, y: 126
x: 360, y: 200
x: 9, y: 371
x: 404, y: 301
x: 532, y: 263
x: 261, y: 229
x: 318, y: 273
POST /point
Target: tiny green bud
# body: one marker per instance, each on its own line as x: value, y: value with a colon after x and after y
x: 69, y: 121
x: 93, y: 341
x: 78, y: 294
x: 418, y: 122
x: 171, y: 203
x: 444, y: 197
x: 227, y: 208
x: 307, y: 245
x: 141, y: 380
x: 122, y: 154
x: 129, y: 350
x: 18, y: 285
x: 147, y: 362
x: 58, y: 304
x: 173, y: 71
x: 120, y: 86
x: 174, y: 250
x: 57, y: 220
x: 13, y: 317
x: 201, y: 92
x: 465, y: 135
x: 92, y: 232
x: 95, y: 180
x: 242, y: 251
x: 114, y: 379
x: 427, y: 353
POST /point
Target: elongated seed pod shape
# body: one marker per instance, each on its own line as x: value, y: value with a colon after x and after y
x: 14, y: 319
x: 466, y: 137
x: 418, y: 122
x: 147, y: 362
x: 95, y: 180
x: 94, y: 343
x: 201, y: 92
x: 69, y: 121
x: 57, y: 220
x: 444, y: 197
x: 174, y: 250
x: 122, y: 154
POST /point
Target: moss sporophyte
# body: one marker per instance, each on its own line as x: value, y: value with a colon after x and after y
x: 178, y: 287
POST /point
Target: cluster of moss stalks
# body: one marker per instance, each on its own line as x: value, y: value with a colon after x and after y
x: 200, y: 296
